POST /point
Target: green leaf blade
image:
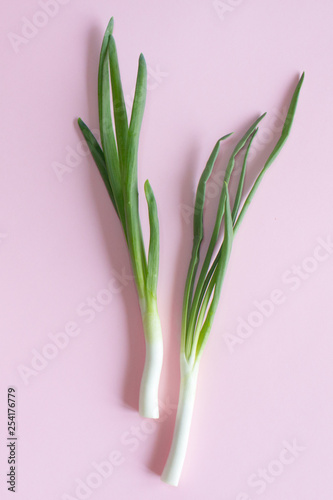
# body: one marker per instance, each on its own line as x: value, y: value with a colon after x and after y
x: 108, y: 32
x: 197, y: 239
x: 107, y: 133
x: 240, y: 187
x: 200, y: 288
x: 119, y: 107
x: 153, y: 252
x: 287, y: 123
x: 218, y: 277
x: 241, y: 143
x: 98, y: 156
x: 130, y: 178
x: 277, y: 148
x: 139, y: 102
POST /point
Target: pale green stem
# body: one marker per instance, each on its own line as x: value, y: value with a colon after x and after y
x: 148, y: 400
x: 188, y: 384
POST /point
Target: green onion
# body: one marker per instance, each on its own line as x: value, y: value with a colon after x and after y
x: 116, y: 160
x: 201, y: 299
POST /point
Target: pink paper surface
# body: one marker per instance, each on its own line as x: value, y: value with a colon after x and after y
x: 262, y: 425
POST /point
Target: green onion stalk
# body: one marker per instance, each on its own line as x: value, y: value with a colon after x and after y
x: 117, y: 160
x: 201, y: 299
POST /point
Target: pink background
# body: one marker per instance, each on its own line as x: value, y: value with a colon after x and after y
x: 213, y: 70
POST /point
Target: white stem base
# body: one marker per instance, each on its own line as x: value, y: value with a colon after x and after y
x: 148, y: 400
x: 188, y: 384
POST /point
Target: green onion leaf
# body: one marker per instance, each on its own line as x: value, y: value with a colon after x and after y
x: 215, y: 234
x: 107, y: 135
x: 104, y: 49
x: 135, y: 124
x: 220, y: 274
x: 153, y: 252
x: 280, y: 143
x: 119, y: 107
x: 197, y: 237
x: 130, y: 183
x: 239, y: 192
x: 98, y: 157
